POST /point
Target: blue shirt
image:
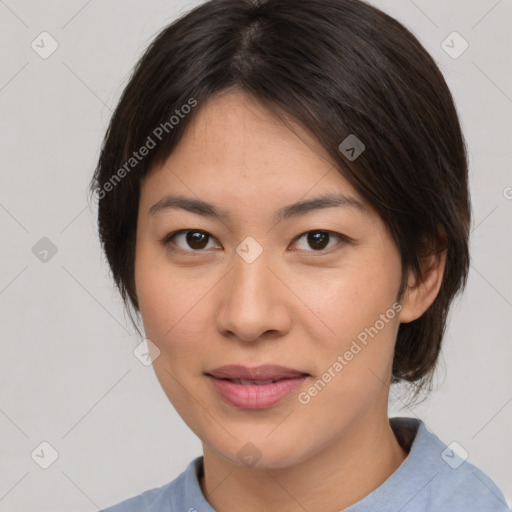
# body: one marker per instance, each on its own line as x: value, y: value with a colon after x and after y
x: 432, y: 478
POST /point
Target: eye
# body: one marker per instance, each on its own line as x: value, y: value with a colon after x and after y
x: 319, y: 239
x: 196, y: 240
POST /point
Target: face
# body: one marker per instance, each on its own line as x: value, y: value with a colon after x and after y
x: 313, y: 290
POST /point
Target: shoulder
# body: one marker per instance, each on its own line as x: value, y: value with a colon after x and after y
x: 171, y: 496
x: 465, y: 488
x: 152, y: 500
x: 444, y: 479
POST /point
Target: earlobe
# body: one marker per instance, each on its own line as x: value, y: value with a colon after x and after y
x: 420, y: 294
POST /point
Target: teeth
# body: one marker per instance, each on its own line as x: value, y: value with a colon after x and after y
x: 246, y: 382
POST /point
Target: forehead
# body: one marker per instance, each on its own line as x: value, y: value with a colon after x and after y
x: 236, y: 152
x: 235, y: 130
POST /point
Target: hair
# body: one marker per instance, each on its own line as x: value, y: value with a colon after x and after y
x: 337, y: 68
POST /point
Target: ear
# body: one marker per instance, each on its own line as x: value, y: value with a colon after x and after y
x: 421, y: 294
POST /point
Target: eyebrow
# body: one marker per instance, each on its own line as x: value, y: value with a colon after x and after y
x: 199, y: 207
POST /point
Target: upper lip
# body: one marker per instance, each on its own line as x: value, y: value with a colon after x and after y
x: 263, y: 372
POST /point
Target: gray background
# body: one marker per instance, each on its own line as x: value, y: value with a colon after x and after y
x: 68, y: 375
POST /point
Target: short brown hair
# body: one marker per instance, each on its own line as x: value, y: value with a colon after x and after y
x: 337, y: 67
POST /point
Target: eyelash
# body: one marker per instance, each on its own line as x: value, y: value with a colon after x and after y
x: 167, y: 240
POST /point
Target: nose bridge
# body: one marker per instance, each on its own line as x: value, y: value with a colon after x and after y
x: 251, y: 303
x: 250, y: 276
x: 250, y: 282
x: 250, y: 262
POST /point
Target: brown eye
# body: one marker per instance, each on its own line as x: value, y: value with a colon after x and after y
x: 190, y: 240
x: 318, y: 240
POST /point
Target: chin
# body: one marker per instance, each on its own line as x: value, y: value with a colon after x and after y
x: 262, y: 453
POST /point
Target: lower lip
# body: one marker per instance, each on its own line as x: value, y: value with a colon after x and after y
x: 255, y: 396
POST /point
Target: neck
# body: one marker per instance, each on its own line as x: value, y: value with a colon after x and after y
x: 331, y: 480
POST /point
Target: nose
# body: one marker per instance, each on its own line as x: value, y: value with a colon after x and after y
x: 254, y: 302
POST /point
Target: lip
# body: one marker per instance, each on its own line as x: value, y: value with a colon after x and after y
x: 262, y: 372
x: 255, y: 396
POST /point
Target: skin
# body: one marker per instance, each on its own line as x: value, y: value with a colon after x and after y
x: 295, y: 305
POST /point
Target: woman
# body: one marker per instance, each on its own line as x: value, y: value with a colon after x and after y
x: 283, y: 198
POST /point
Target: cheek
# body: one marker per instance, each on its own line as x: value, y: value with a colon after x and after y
x: 172, y: 314
x: 170, y: 310
x: 353, y: 364
x: 359, y: 323
x: 351, y: 299
x: 173, y: 306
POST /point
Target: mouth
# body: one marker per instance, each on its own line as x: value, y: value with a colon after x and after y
x: 262, y: 373
x: 246, y: 382
x: 255, y: 388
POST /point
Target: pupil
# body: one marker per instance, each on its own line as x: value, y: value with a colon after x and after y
x: 315, y: 239
x: 196, y: 239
